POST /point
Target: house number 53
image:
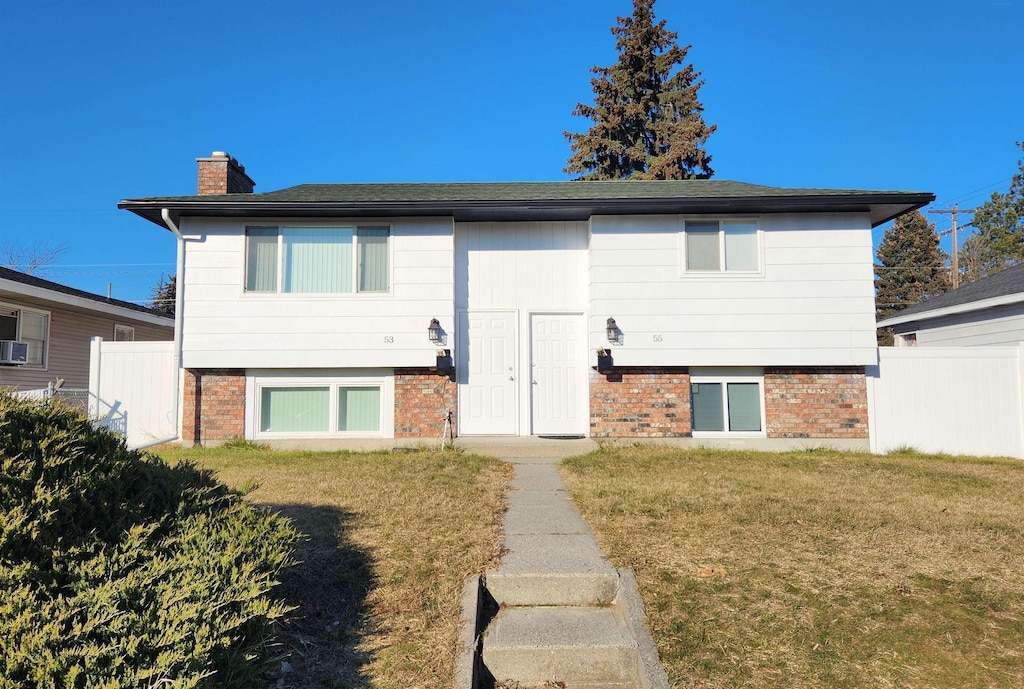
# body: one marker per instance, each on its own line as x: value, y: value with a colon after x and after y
x: 389, y: 339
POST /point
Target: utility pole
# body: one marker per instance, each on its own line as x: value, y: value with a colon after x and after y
x: 956, y: 247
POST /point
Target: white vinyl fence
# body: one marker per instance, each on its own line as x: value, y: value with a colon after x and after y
x: 957, y: 400
x: 138, y: 382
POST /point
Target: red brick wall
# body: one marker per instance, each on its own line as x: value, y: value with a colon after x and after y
x: 816, y: 403
x: 640, y: 403
x: 421, y: 398
x: 214, y: 405
x: 222, y: 175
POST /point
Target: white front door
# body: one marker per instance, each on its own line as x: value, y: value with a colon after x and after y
x: 487, y: 373
x: 559, y: 399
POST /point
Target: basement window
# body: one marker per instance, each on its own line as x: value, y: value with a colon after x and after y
x: 728, y: 403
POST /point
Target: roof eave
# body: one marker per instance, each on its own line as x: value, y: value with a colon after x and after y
x: 929, y: 314
x: 882, y: 207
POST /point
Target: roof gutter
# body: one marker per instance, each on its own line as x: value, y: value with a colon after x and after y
x: 179, y: 315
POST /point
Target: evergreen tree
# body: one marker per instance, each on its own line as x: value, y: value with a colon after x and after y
x: 162, y: 297
x: 911, y: 267
x: 999, y: 241
x: 648, y: 122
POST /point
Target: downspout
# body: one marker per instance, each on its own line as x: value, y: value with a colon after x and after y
x: 179, y: 316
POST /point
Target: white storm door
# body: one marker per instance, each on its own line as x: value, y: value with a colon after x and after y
x: 487, y: 378
x: 559, y: 398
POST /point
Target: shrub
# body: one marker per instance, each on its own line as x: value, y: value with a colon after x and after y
x: 118, y: 570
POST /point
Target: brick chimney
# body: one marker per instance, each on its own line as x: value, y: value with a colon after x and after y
x: 221, y: 174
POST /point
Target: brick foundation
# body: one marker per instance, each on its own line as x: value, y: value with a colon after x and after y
x: 816, y: 403
x: 640, y: 403
x: 421, y: 398
x: 214, y: 405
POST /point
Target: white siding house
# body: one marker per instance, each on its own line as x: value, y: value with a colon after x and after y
x: 333, y: 311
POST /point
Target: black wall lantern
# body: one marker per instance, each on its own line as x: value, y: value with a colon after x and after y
x: 434, y: 331
x: 604, y: 361
x: 613, y: 332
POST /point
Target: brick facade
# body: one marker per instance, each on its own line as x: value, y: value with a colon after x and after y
x: 816, y: 403
x: 640, y: 403
x: 214, y: 405
x: 221, y: 174
x: 421, y: 400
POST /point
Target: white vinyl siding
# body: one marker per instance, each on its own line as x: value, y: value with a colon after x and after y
x: 727, y: 403
x: 811, y: 303
x: 228, y: 325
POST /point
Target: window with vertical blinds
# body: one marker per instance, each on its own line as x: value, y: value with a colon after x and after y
x: 317, y: 260
x: 319, y: 406
x: 728, y: 404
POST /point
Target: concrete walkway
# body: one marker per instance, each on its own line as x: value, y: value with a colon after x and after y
x: 567, y: 615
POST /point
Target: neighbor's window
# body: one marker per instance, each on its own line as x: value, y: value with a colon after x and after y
x: 308, y: 409
x: 727, y: 405
x: 30, y: 327
x: 722, y: 246
x: 317, y: 260
x: 124, y: 333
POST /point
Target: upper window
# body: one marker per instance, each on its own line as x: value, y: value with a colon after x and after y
x: 722, y: 246
x: 317, y: 260
x: 124, y: 333
x: 30, y: 327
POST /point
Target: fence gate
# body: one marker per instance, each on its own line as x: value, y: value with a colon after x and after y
x: 957, y: 400
x: 138, y: 381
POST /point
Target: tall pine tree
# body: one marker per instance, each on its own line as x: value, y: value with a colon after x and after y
x: 999, y: 241
x: 911, y: 267
x: 648, y: 122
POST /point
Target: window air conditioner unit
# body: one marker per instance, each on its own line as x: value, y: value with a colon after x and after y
x: 13, y: 353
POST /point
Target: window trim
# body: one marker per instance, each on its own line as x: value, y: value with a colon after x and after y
x: 258, y: 380
x: 45, y: 366
x: 725, y: 376
x: 126, y: 328
x: 355, y: 226
x: 721, y: 273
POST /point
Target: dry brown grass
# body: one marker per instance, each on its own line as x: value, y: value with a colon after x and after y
x: 818, y: 569
x: 391, y: 536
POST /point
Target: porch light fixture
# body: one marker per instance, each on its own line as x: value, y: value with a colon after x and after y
x: 613, y: 332
x: 434, y: 331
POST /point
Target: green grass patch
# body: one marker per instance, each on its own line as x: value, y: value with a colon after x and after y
x: 841, y: 569
x: 389, y: 538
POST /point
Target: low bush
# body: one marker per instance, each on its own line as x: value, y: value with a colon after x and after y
x: 118, y: 570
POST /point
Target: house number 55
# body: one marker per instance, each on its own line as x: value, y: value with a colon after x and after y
x: 657, y: 338
x: 389, y: 339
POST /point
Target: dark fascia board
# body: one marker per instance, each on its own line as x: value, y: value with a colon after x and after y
x: 882, y: 207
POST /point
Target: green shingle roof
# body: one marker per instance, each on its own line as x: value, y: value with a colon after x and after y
x: 533, y: 200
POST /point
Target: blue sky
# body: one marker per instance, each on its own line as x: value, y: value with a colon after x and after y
x: 101, y: 101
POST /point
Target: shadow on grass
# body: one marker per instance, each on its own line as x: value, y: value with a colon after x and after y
x: 328, y: 589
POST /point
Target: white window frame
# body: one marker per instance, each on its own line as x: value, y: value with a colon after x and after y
x: 721, y: 272
x: 46, y: 342
x: 339, y: 225
x: 725, y: 376
x: 257, y: 380
x: 129, y: 329
x: 906, y: 339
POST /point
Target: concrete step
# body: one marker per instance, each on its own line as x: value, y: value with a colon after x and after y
x: 552, y: 569
x: 583, y: 647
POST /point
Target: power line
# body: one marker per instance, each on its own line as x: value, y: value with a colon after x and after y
x: 956, y: 260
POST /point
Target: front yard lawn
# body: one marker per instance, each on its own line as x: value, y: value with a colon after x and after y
x: 390, y: 538
x: 818, y: 568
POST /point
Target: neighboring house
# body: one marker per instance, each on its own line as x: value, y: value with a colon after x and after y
x: 987, y: 312
x: 730, y: 311
x: 57, y: 323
